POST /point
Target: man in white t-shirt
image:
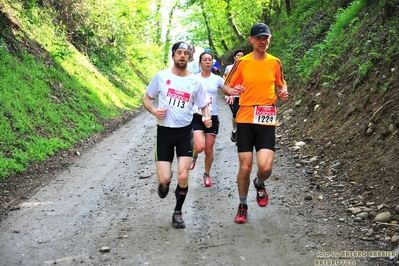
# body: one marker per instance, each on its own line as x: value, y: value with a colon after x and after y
x: 237, y: 54
x: 192, y: 65
x: 177, y: 90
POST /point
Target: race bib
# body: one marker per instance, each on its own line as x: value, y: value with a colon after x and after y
x: 265, y: 115
x: 178, y: 99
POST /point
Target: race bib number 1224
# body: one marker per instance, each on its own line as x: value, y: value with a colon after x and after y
x: 265, y: 115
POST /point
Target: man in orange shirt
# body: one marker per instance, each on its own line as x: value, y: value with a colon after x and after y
x: 258, y: 79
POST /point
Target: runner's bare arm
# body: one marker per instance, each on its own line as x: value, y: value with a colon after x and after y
x: 283, y: 92
x: 226, y: 89
x: 148, y: 104
x: 206, y: 116
x: 235, y: 91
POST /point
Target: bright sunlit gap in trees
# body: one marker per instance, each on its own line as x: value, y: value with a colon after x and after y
x: 181, y: 26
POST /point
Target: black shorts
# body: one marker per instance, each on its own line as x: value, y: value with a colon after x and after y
x: 199, y: 125
x: 170, y: 138
x: 234, y: 106
x: 253, y: 135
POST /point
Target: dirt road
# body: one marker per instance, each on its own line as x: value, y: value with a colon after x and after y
x: 107, y: 200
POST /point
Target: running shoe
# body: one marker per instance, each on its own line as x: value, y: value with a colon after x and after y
x: 233, y: 136
x: 262, y: 198
x: 242, y: 213
x: 193, y: 162
x: 177, y: 220
x: 207, y: 180
x: 163, y: 190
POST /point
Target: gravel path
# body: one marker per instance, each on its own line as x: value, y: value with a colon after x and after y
x: 104, y: 210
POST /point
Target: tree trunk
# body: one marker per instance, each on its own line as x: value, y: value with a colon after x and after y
x: 167, y: 36
x: 288, y: 7
x: 232, y: 22
x: 208, y: 30
x: 235, y: 28
x: 158, y: 21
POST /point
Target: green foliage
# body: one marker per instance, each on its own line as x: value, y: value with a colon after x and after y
x: 32, y: 120
x: 334, y: 77
x: 49, y: 105
x: 331, y: 45
x: 344, y: 19
x: 386, y: 86
x: 214, y: 23
x: 338, y: 107
x: 365, y: 68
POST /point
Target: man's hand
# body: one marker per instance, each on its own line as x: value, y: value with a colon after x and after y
x: 229, y: 99
x: 160, y: 113
x: 207, y: 121
x: 237, y: 90
x: 283, y: 94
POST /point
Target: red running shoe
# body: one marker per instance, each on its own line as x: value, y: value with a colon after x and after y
x: 207, y: 180
x: 242, y: 213
x: 262, y: 198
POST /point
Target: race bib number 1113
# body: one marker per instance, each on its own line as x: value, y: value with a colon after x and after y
x: 177, y: 98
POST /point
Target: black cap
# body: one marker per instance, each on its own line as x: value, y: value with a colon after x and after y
x: 260, y: 29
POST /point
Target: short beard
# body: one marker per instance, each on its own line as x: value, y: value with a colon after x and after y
x: 181, y: 67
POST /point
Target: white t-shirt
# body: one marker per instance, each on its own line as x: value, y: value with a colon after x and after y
x: 228, y: 68
x: 226, y: 71
x: 194, y: 67
x: 178, y: 95
x: 212, y: 84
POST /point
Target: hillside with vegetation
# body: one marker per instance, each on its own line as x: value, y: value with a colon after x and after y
x: 72, y: 71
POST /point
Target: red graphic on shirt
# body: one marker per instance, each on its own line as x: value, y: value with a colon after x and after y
x: 265, y: 111
x: 168, y: 82
x: 180, y: 95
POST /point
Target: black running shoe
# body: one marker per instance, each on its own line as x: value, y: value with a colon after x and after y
x: 177, y: 220
x: 163, y: 190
